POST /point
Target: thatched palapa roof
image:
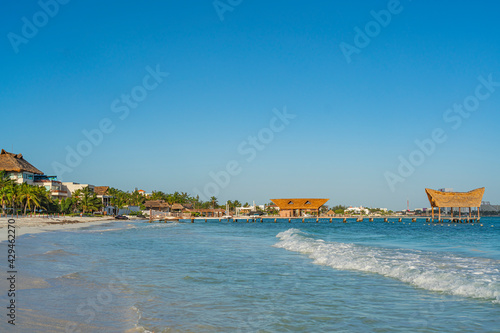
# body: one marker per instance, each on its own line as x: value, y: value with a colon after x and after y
x: 284, y: 204
x: 455, y: 199
x: 101, y: 190
x: 177, y: 206
x: 152, y: 204
x: 16, y: 163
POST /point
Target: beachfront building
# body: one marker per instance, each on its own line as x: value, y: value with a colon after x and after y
x: 297, y: 207
x: 157, y: 205
x: 71, y: 187
x: 272, y: 205
x: 254, y: 209
x: 244, y: 210
x: 21, y: 171
x: 162, y: 208
x: 51, y: 184
x: 460, y: 200
x: 330, y: 213
x: 489, y: 209
x: 206, y: 212
x: 102, y: 193
x: 177, y: 208
x: 357, y: 210
x: 127, y: 209
x: 17, y: 168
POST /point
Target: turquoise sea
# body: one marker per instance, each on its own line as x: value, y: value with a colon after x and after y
x: 133, y: 276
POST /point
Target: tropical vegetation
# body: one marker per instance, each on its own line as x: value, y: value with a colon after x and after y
x: 27, y: 199
x: 23, y: 198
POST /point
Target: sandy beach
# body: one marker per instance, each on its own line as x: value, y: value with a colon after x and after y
x: 30, y: 320
x: 33, y: 225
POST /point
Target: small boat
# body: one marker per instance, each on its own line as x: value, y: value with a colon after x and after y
x: 121, y: 217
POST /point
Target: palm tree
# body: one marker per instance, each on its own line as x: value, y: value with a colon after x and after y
x: 77, y: 195
x: 87, y: 200
x: 4, y: 197
x: 136, y: 198
x: 185, y: 197
x: 117, y: 199
x: 5, y: 183
x: 158, y: 195
x: 47, y: 202
x: 195, y: 201
x: 213, y: 200
x: 13, y: 196
x: 65, y: 205
x: 30, y: 195
x: 95, y: 203
x: 5, y: 180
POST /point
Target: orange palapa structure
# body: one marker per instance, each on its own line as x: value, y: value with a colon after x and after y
x: 295, y: 207
x: 455, y: 200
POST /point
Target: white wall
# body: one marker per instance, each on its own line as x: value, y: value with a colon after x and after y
x: 72, y: 187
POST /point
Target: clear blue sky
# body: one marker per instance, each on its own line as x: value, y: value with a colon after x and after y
x: 353, y: 119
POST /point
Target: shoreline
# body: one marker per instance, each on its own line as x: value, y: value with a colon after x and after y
x: 35, y: 225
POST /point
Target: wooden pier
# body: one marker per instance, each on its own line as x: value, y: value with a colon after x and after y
x: 322, y: 219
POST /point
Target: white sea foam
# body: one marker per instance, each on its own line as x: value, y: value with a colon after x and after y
x: 138, y: 314
x: 439, y: 272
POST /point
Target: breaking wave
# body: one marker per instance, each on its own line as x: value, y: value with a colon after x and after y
x: 439, y: 272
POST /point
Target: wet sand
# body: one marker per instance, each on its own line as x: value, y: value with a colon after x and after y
x: 28, y: 320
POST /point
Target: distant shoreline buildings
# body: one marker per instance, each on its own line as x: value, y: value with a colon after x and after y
x: 21, y: 171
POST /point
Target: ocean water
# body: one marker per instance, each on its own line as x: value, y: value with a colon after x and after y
x: 260, y: 277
